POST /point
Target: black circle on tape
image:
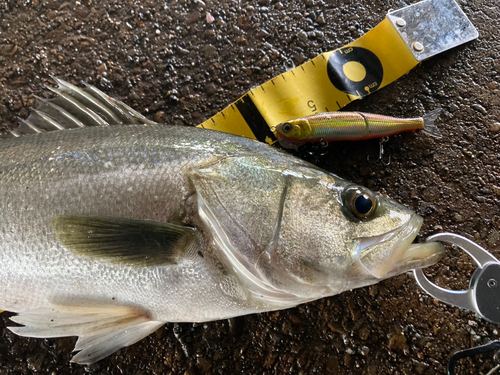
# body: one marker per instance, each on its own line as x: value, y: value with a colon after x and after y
x: 373, y: 67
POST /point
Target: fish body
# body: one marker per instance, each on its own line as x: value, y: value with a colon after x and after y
x: 349, y: 126
x: 108, y: 232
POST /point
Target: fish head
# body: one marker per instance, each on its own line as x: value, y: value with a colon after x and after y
x: 340, y: 236
x: 293, y: 232
x: 293, y: 130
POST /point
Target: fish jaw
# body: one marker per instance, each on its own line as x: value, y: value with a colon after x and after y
x: 418, y: 255
x: 392, y: 253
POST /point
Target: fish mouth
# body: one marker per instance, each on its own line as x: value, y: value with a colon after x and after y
x: 393, y: 252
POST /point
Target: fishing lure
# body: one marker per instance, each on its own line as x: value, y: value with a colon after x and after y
x: 350, y: 126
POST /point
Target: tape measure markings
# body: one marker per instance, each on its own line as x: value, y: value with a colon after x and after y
x: 326, y: 83
x: 260, y: 128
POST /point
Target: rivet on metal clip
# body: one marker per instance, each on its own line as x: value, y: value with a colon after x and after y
x: 483, y: 295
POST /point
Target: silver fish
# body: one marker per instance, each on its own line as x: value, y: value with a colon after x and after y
x: 108, y: 232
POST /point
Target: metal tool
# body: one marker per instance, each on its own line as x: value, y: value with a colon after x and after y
x: 472, y: 352
x: 483, y: 295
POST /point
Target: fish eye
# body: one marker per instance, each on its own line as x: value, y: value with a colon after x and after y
x: 360, y: 202
x: 286, y: 127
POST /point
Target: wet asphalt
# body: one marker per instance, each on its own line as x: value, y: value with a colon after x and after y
x: 170, y: 63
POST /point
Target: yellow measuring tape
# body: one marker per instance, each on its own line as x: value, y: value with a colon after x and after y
x: 324, y: 84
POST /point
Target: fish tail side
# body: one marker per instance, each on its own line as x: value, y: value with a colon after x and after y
x: 429, y: 126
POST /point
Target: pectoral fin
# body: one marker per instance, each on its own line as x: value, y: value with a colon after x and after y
x: 102, y: 330
x: 121, y: 241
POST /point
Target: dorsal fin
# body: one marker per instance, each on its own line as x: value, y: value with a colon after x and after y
x: 75, y: 107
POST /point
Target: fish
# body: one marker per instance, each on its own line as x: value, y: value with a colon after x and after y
x: 350, y: 126
x: 109, y: 230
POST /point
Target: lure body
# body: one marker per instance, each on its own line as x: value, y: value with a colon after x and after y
x: 350, y: 126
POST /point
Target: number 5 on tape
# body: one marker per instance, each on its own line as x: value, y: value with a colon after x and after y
x: 333, y: 79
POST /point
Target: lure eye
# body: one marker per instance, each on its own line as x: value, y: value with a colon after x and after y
x: 286, y: 127
x: 360, y: 202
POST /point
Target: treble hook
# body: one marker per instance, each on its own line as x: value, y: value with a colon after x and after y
x: 381, y: 152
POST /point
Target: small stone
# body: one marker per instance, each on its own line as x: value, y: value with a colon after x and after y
x: 160, y: 117
x: 479, y: 108
x: 133, y: 95
x: 194, y: 17
x: 397, y: 342
x: 273, y: 54
x: 302, y: 35
x: 496, y: 64
x: 299, y: 58
x: 336, y: 327
x: 242, y: 41
x: 496, y: 190
x: 264, y: 62
x: 495, y: 127
x: 52, y: 15
x: 364, y: 333
x: 17, y: 105
x: 347, y: 360
x: 52, y: 4
x: 295, y: 320
x: 492, y: 85
x: 332, y: 365
x: 453, y: 107
x: 35, y: 362
x: 182, y: 50
x: 6, y: 49
x: 321, y: 19
x: 430, y: 194
x: 204, y: 365
x: 493, y: 237
x: 210, y: 89
x: 210, y: 51
x: 458, y: 218
x: 263, y: 33
x: 373, y: 290
x: 209, y: 17
x: 365, y: 350
x: 278, y: 5
x: 102, y: 68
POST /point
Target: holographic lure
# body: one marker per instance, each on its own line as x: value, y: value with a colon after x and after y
x: 350, y: 126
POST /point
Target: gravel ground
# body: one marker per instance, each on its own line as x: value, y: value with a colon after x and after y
x: 167, y: 61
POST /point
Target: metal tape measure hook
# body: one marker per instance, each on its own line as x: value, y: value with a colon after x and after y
x: 482, y: 296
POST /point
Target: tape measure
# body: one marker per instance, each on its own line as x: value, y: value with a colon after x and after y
x: 324, y: 84
x: 334, y: 79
